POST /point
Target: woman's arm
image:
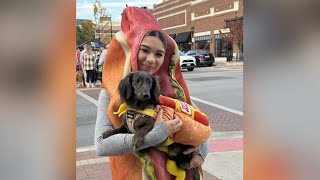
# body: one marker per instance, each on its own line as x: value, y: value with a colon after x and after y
x: 203, y: 150
x: 120, y: 144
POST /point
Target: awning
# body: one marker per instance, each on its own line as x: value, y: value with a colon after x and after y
x: 95, y: 44
x: 183, y: 37
x: 172, y: 35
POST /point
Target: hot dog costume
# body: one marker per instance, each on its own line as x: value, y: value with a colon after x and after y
x: 121, y: 59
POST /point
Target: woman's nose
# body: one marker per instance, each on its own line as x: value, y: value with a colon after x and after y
x: 151, y: 58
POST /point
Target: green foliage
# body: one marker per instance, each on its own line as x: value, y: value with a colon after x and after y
x: 84, y: 32
x: 79, y: 38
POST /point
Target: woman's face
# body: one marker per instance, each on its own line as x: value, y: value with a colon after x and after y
x: 151, y: 54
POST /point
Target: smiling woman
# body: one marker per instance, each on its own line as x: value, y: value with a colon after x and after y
x: 151, y: 53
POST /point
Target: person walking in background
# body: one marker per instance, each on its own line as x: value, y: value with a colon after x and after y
x: 89, y: 65
x: 81, y: 61
x: 77, y: 58
x: 103, y: 54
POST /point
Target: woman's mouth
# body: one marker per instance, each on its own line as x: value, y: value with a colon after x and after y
x: 147, y: 68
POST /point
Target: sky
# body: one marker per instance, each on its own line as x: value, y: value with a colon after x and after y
x: 84, y: 8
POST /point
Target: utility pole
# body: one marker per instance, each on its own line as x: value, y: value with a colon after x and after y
x: 111, y: 27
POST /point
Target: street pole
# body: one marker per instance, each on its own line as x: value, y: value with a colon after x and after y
x: 111, y: 27
x: 192, y: 38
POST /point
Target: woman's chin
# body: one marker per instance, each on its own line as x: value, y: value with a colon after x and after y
x: 149, y: 70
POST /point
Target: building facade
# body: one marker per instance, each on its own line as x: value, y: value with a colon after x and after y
x: 198, y: 24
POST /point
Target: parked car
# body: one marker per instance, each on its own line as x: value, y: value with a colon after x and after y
x: 187, y: 62
x: 202, y: 57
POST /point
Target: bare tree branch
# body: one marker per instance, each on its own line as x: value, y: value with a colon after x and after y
x: 102, y: 20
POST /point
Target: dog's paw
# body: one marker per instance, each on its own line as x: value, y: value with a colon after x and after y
x: 106, y: 134
x: 136, y: 142
x: 185, y: 166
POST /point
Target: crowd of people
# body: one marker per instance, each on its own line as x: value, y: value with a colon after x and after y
x: 90, y: 64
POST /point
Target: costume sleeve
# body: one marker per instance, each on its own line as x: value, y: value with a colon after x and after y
x: 203, y: 150
x: 120, y: 144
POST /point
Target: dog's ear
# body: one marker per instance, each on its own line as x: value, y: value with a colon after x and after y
x: 125, y: 88
x: 155, y: 90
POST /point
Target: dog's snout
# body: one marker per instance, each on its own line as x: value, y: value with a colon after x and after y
x: 146, y: 96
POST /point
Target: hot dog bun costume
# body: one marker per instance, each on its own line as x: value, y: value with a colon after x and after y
x: 121, y: 59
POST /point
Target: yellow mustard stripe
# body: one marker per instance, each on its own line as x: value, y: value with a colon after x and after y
x: 124, y: 108
x: 179, y: 109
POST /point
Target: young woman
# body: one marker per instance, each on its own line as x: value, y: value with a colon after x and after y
x: 152, y: 54
x: 89, y: 64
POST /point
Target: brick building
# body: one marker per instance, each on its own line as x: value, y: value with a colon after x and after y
x: 197, y: 24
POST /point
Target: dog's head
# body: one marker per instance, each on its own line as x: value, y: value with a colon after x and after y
x: 139, y: 89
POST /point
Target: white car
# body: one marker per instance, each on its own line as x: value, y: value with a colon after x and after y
x: 187, y: 62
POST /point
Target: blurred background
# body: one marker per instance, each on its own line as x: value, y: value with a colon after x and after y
x: 281, y: 90
x: 37, y: 131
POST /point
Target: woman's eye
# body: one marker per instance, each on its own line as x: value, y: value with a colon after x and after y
x: 144, y: 50
x: 159, y: 55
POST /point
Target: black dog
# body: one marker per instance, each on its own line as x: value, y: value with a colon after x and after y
x: 140, y: 91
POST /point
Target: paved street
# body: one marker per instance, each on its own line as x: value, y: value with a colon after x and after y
x: 217, y: 92
x: 223, y: 87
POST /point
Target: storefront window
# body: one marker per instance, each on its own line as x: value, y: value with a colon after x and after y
x: 222, y: 48
x: 184, y: 47
x: 203, y: 42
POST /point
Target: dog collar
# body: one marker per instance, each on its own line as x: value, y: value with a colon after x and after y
x: 131, y: 116
x: 124, y: 108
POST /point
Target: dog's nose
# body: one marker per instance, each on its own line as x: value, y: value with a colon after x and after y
x: 146, y: 96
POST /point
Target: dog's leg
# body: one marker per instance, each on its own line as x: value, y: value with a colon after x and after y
x: 182, y: 160
x: 121, y: 129
x: 142, y: 126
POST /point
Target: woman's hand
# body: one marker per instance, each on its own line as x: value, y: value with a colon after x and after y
x: 172, y: 125
x: 197, y: 160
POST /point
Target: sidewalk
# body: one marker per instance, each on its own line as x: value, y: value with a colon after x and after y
x: 229, y: 65
x: 224, y: 160
x: 221, y: 62
x: 90, y: 166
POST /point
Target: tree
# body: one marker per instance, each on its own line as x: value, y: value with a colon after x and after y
x: 87, y: 29
x: 235, y: 36
x: 84, y: 32
x: 103, y: 23
x: 79, y: 38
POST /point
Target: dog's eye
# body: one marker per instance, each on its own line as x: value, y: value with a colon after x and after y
x: 138, y: 81
x: 148, y: 81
